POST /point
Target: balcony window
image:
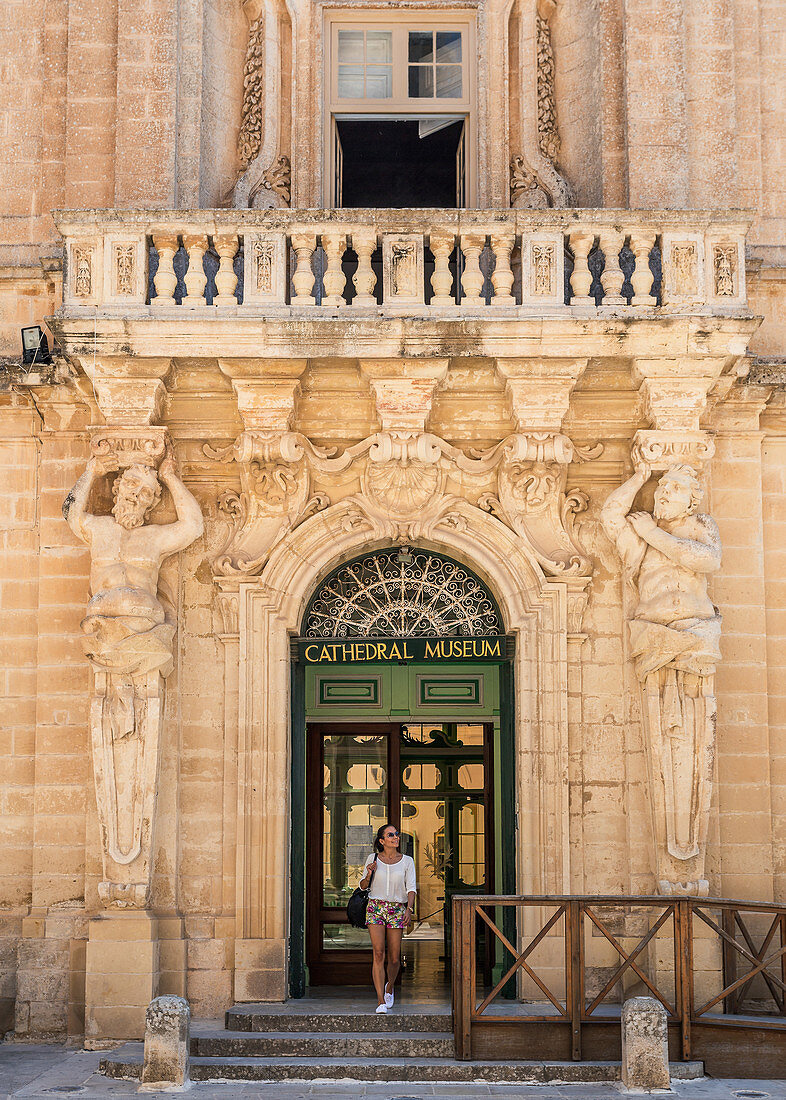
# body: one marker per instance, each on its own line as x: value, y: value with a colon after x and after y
x: 400, y: 99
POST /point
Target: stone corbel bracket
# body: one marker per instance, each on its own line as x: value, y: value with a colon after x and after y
x: 532, y: 496
x: 275, y: 495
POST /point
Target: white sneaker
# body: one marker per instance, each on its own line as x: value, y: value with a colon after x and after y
x: 389, y: 998
x: 382, y: 1010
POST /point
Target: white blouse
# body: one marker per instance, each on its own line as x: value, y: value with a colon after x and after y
x: 392, y: 881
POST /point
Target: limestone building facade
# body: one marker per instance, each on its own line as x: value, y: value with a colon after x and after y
x: 413, y: 445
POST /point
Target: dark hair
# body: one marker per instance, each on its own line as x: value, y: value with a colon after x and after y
x: 378, y: 846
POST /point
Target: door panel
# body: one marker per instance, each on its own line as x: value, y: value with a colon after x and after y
x: 352, y: 788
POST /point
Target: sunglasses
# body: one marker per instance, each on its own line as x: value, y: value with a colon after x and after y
x: 391, y: 836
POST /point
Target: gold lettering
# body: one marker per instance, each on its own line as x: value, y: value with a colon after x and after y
x: 382, y: 651
x: 394, y: 651
x: 407, y: 654
x: 346, y: 653
x: 371, y: 651
x: 467, y: 649
x: 431, y: 650
x: 307, y: 655
x: 334, y: 648
x: 492, y: 649
x: 324, y: 654
x: 359, y: 652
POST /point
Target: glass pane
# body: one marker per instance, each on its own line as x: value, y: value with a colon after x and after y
x: 421, y: 45
x: 471, y: 868
x: 470, y: 735
x: 365, y: 777
x: 470, y: 777
x: 448, y: 81
x: 350, y: 46
x: 354, y: 807
x: 448, y: 46
x: 422, y: 777
x: 379, y: 81
x: 343, y: 937
x: 421, y: 82
x: 350, y: 81
x: 379, y: 47
x: 423, y: 838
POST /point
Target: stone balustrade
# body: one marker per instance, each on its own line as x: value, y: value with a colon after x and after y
x: 404, y: 262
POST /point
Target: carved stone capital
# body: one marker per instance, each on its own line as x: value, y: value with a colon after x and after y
x: 539, y: 391
x: 130, y: 402
x: 675, y: 391
x: 403, y: 390
x: 660, y: 450
x: 123, y: 447
x: 266, y: 406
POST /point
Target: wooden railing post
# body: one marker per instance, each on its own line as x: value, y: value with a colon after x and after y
x: 574, y: 948
x: 729, y: 961
x: 684, y: 977
x: 463, y: 976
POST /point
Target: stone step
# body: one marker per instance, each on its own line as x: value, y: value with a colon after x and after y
x: 320, y: 1044
x: 243, y: 1019
x: 129, y: 1066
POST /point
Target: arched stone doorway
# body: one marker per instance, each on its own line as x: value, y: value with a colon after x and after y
x: 402, y: 710
x: 270, y: 608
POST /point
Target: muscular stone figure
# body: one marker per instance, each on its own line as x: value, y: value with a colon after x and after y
x: 129, y: 628
x: 674, y: 633
x: 129, y: 625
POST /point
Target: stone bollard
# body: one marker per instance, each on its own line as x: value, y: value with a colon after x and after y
x: 167, y: 1026
x: 645, y: 1045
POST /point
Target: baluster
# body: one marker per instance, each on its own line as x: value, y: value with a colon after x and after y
x: 364, y: 278
x: 226, y: 279
x: 472, y: 277
x: 195, y: 279
x: 304, y: 245
x: 334, y: 280
x: 642, y: 278
x: 502, y: 276
x: 581, y: 242
x: 611, y: 242
x: 441, y: 245
x: 165, y: 279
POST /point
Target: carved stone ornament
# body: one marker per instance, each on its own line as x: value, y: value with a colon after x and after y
x: 674, y: 635
x: 252, y: 116
x: 529, y: 184
x: 403, y: 476
x: 275, y: 496
x: 128, y: 632
x: 532, y: 497
x: 278, y: 179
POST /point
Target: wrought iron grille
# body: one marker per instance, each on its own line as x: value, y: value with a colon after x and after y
x: 398, y: 593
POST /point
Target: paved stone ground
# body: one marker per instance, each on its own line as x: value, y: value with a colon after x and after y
x: 45, y: 1072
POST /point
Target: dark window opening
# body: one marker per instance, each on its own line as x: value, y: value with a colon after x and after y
x: 386, y: 163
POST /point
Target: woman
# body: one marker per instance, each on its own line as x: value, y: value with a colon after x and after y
x: 391, y: 900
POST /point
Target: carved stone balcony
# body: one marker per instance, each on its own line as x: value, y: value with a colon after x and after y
x: 356, y: 276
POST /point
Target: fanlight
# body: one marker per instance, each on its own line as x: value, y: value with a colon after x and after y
x: 400, y: 593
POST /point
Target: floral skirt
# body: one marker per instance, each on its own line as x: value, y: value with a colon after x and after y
x: 389, y: 913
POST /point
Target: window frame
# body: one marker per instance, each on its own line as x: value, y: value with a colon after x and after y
x: 400, y: 105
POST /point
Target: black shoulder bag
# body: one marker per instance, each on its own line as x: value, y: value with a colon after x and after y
x: 358, y: 903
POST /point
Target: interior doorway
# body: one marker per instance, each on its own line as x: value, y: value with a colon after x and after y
x: 400, y: 162
x: 435, y: 782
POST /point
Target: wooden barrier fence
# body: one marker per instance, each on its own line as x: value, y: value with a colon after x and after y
x: 545, y: 977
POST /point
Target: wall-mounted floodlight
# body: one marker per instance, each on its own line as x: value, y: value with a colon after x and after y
x: 35, y: 346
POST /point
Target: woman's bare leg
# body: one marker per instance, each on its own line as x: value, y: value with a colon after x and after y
x: 394, y: 956
x: 377, y: 933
